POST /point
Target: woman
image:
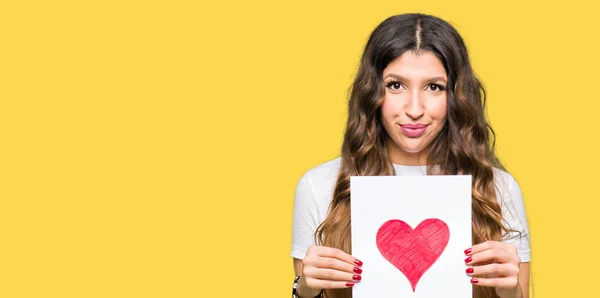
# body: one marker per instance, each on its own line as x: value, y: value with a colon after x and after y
x: 415, y: 106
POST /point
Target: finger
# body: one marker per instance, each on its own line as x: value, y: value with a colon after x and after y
x: 511, y: 248
x: 332, y: 275
x: 330, y: 252
x: 502, y: 282
x: 491, y: 255
x: 327, y: 284
x: 503, y: 270
x: 331, y: 263
x: 483, y: 246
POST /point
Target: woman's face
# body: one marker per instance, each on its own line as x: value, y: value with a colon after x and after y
x: 414, y: 105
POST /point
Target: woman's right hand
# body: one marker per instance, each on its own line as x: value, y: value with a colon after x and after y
x: 328, y: 268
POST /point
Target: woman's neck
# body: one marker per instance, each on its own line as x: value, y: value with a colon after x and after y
x: 401, y: 157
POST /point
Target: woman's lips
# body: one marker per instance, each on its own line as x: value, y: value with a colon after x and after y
x: 413, y: 130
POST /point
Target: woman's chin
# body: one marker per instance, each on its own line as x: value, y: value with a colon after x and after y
x: 409, y: 146
x: 412, y: 150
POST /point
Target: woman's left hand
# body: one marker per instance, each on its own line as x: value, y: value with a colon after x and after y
x: 495, y: 264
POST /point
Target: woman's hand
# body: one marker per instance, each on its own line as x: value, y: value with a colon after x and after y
x: 327, y: 268
x: 495, y: 264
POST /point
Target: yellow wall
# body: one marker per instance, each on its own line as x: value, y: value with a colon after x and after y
x: 152, y: 148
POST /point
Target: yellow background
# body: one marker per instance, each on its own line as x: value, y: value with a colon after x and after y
x: 152, y: 148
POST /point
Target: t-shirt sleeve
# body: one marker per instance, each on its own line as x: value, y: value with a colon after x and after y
x: 305, y: 218
x: 513, y: 213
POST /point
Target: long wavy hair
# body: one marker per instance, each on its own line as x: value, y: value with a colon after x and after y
x: 464, y: 146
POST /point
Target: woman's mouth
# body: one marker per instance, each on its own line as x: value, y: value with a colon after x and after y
x: 413, y: 130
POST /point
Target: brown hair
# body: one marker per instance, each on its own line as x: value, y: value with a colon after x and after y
x: 462, y: 147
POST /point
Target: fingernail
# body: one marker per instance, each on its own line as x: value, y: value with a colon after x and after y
x: 469, y: 259
x: 357, y: 270
x: 357, y: 262
x: 356, y: 277
x: 350, y: 284
x: 474, y: 280
x: 467, y: 251
x: 469, y: 270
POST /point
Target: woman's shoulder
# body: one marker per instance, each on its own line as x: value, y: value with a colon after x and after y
x: 325, y: 170
x: 320, y: 180
x: 505, y: 185
x: 322, y: 176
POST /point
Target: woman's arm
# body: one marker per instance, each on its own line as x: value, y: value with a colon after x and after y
x: 297, y: 266
x: 524, y: 279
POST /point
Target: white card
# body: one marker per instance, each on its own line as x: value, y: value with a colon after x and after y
x: 410, y: 232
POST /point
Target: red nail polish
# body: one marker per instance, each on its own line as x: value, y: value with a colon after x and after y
x: 350, y: 284
x: 469, y: 259
x: 357, y: 262
x: 467, y: 251
x: 474, y: 280
x: 469, y: 270
x: 357, y: 270
x: 356, y: 277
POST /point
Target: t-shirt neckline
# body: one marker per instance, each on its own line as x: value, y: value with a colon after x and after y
x: 410, y: 170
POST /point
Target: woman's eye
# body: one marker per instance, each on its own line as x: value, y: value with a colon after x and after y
x: 394, y: 85
x: 435, y: 87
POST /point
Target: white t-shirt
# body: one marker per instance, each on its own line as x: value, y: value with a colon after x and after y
x: 314, y: 193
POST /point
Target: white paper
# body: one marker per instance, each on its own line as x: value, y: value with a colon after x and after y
x: 412, y: 199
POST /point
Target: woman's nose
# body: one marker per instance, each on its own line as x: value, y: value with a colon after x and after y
x: 414, y: 108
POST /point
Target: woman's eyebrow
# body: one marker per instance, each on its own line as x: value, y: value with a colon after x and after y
x: 401, y: 78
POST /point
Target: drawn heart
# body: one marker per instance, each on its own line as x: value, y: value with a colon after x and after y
x: 413, y: 252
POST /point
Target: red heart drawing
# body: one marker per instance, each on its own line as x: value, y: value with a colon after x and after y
x: 413, y: 251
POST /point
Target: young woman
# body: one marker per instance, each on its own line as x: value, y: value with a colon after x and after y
x: 415, y: 108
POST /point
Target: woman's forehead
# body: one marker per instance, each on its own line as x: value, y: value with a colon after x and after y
x: 410, y: 65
